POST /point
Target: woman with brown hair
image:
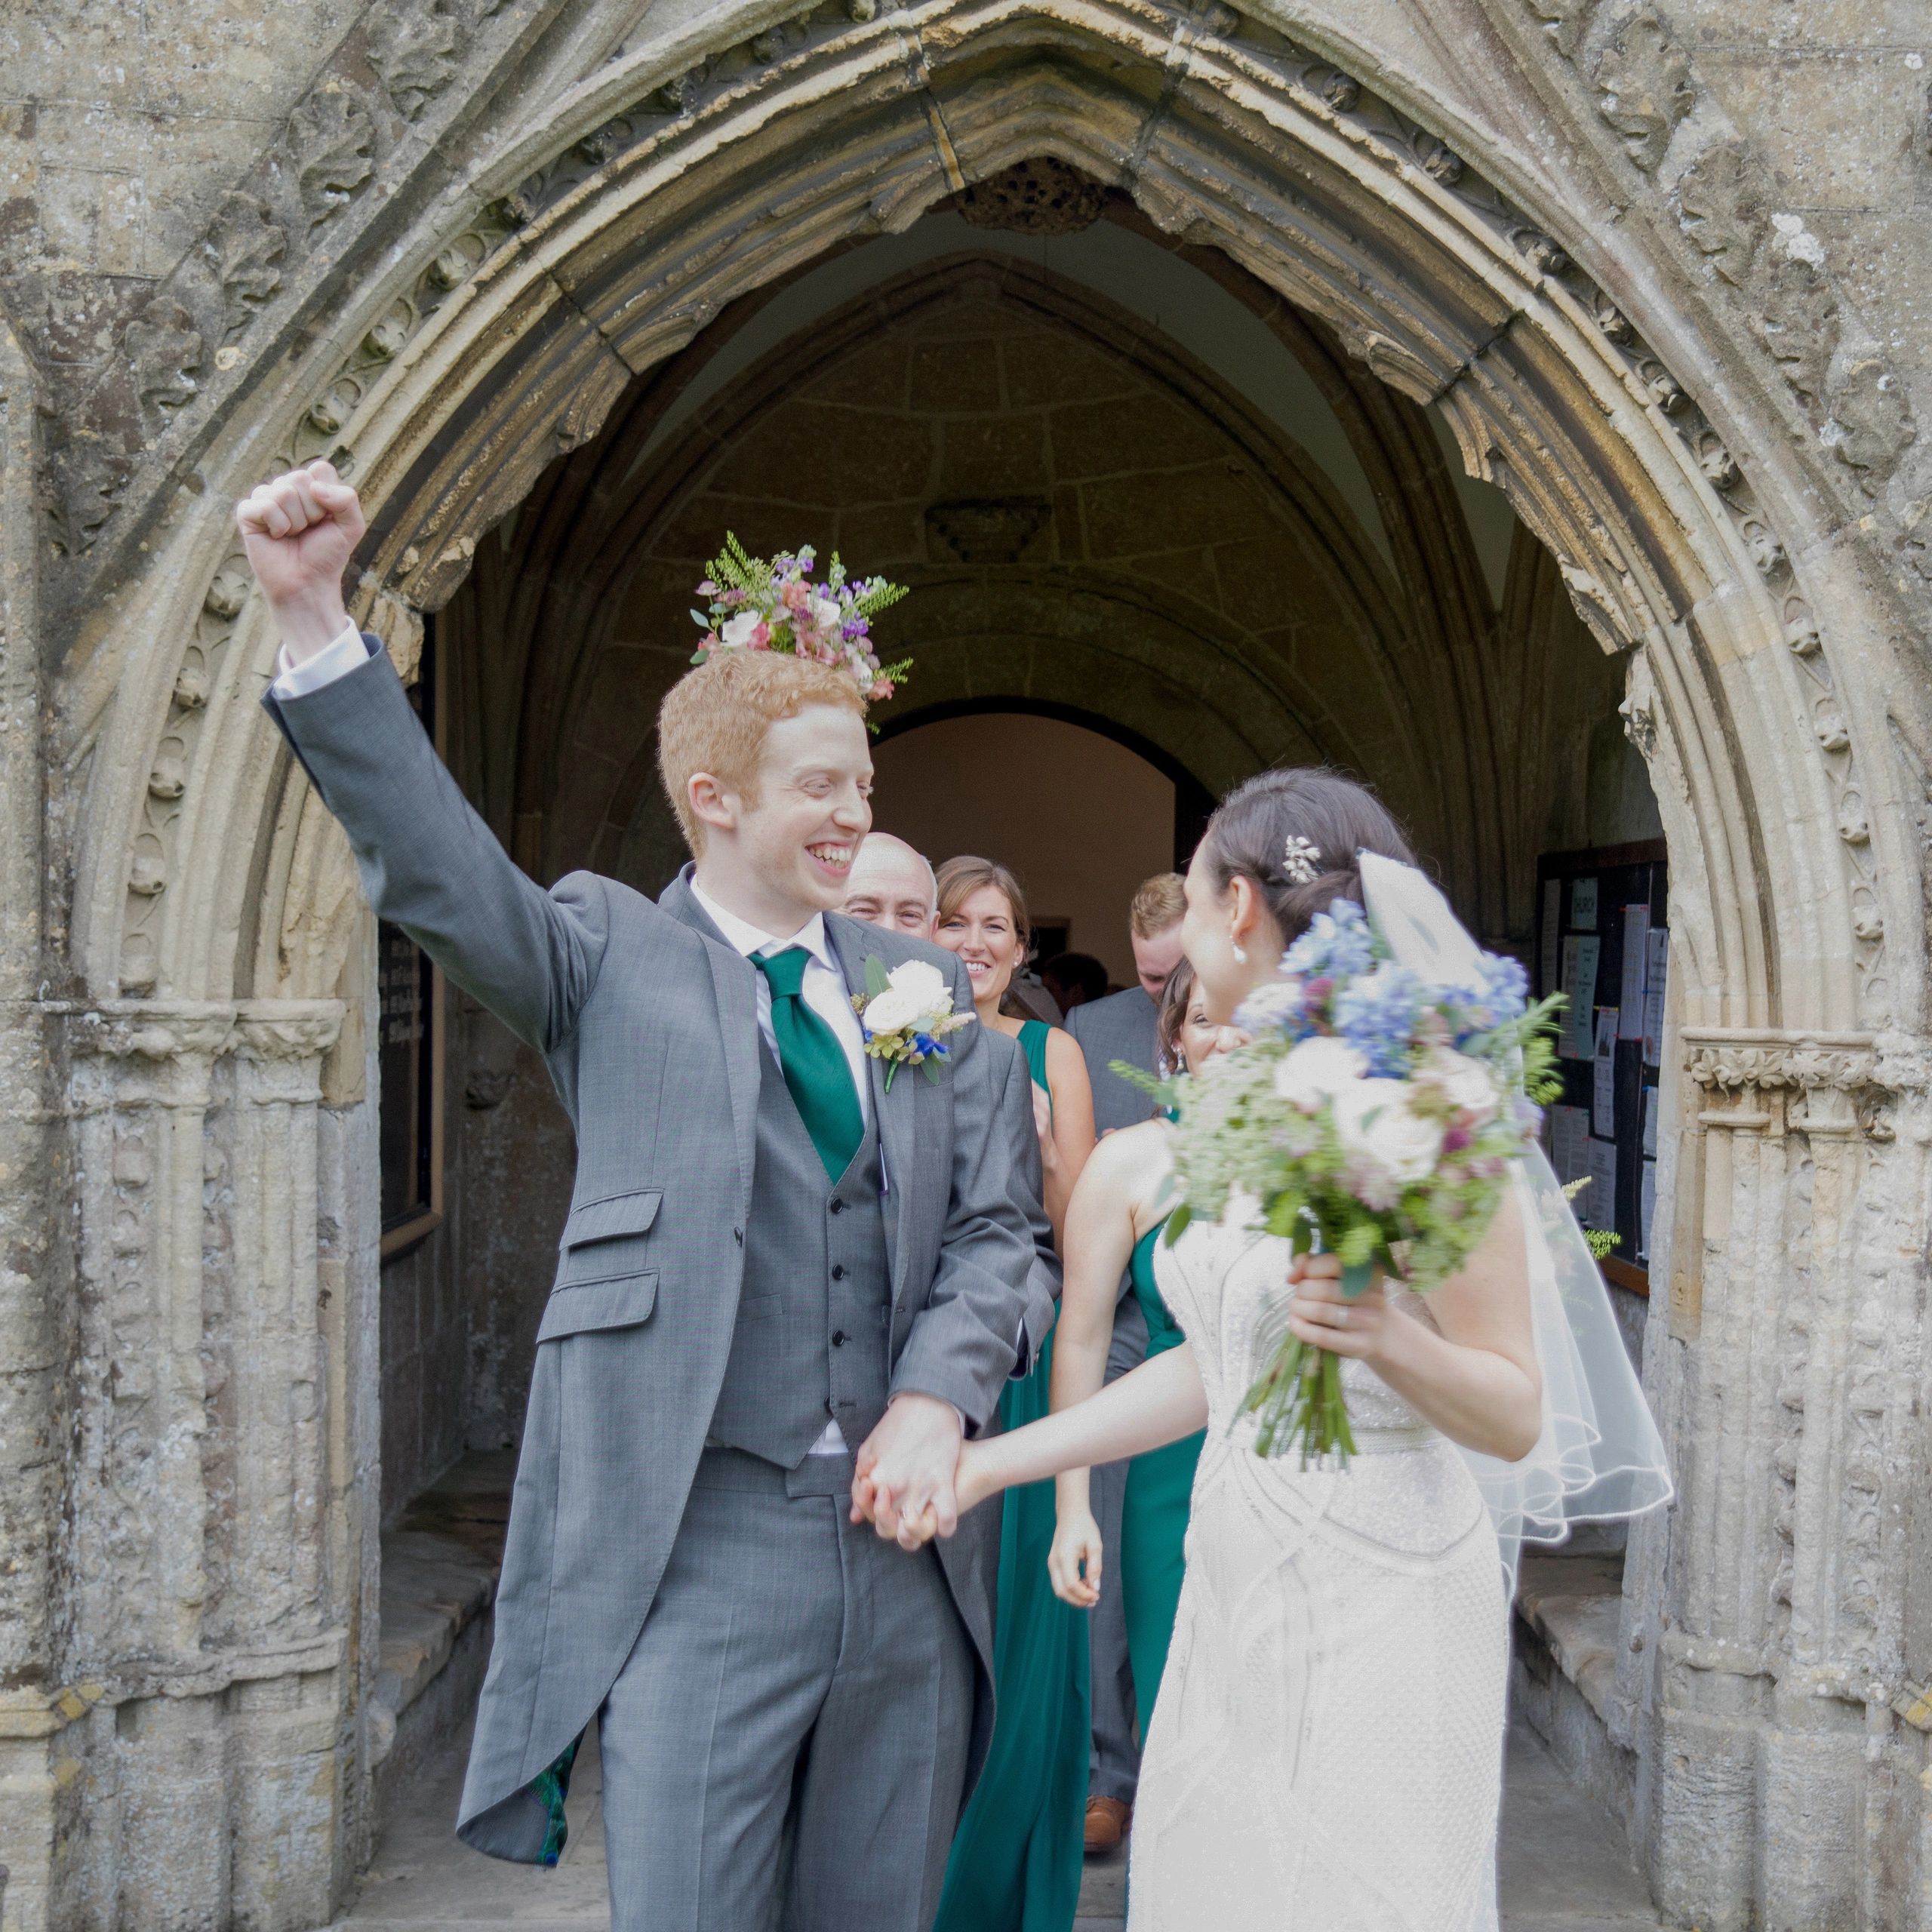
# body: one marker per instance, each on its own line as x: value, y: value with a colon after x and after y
x: 982, y: 917
x: 1016, y: 1858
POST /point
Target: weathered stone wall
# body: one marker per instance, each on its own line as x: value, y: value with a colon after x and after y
x: 1659, y: 266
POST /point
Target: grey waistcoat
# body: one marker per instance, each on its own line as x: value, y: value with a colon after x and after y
x: 810, y: 1339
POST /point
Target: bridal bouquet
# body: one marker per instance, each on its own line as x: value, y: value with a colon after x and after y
x: 1371, y: 1114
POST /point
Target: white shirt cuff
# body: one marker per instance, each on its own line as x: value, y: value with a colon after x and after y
x: 336, y: 659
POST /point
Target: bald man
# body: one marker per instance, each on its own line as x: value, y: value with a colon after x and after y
x: 892, y: 886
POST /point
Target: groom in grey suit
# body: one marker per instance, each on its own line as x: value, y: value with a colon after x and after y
x: 785, y: 1290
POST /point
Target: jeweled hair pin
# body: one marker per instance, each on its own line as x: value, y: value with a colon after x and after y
x: 1301, y: 862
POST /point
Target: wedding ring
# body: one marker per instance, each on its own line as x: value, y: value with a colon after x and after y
x: 1341, y: 1318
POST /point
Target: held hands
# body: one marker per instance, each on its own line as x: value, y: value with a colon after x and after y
x: 903, y: 1481
x: 1321, y: 1314
x: 300, y: 532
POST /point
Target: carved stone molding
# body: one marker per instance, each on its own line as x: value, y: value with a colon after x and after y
x: 1041, y: 196
x: 183, y: 1029
x: 1731, y: 1059
x: 1647, y: 86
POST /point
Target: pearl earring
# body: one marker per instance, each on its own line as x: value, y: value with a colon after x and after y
x: 1241, y: 957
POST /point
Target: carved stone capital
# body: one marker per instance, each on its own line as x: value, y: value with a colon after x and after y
x: 151, y: 1029
x: 287, y: 1030
x: 1731, y: 1058
x: 1838, y: 1082
x: 187, y: 1029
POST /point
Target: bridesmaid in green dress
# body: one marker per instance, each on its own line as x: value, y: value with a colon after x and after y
x: 1017, y: 1857
x: 1115, y: 1219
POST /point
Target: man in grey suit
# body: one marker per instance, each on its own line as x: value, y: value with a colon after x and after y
x: 772, y: 1260
x: 1121, y: 1027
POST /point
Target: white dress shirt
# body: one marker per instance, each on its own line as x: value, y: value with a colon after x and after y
x: 823, y: 988
x: 336, y: 659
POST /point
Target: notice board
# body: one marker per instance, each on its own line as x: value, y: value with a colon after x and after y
x: 1602, y: 938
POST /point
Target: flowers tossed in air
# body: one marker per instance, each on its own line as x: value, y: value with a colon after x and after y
x: 780, y: 606
x: 906, y: 1016
x: 1369, y: 1111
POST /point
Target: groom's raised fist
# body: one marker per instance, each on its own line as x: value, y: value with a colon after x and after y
x: 300, y: 532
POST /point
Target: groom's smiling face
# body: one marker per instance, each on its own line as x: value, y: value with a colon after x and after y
x: 790, y: 841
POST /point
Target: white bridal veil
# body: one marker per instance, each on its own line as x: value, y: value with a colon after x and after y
x: 1599, y: 1455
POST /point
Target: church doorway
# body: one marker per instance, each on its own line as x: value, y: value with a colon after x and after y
x: 1203, y: 393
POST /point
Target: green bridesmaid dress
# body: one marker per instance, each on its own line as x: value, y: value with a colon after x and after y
x: 1154, y: 1515
x: 1017, y: 1857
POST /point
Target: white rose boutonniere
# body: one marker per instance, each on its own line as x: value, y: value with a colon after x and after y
x: 906, y: 1016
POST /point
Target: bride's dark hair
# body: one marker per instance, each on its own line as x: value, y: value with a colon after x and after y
x: 1249, y: 836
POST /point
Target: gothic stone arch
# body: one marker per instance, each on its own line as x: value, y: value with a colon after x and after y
x: 209, y: 1623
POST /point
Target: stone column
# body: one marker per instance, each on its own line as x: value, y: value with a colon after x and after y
x: 1778, y: 1787
x: 208, y: 1718
x: 31, y: 1344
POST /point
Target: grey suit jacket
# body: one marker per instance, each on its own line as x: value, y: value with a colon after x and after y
x: 650, y: 1031
x: 1122, y: 1026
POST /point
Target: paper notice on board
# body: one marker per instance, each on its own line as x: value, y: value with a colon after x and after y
x: 1636, y: 972
x: 1646, y: 1206
x: 1570, y: 1143
x: 1596, y: 1206
x: 1657, y: 949
x: 1583, y: 903
x: 1553, y: 932
x: 1580, y: 955
x: 1602, y: 1095
x: 1650, y: 1123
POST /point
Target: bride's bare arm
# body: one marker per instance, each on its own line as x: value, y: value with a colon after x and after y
x: 1101, y: 1228
x: 1158, y: 1403
x: 1474, y: 1372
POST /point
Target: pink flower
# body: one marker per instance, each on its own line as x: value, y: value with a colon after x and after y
x: 795, y: 596
x: 882, y: 688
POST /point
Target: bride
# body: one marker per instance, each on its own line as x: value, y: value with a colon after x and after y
x: 1325, y: 1754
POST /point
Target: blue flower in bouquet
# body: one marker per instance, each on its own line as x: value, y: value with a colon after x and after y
x: 1501, y: 1001
x: 1377, y: 1014
x: 1339, y: 944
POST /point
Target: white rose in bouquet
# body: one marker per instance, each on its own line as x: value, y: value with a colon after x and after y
x: 1391, y: 1146
x: 1316, y: 1069
x: 1466, y: 1084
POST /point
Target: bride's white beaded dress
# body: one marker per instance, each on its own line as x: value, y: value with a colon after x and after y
x: 1327, y: 1752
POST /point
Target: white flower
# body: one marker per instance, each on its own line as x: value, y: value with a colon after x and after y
x: 825, y: 614
x: 1466, y: 1083
x: 1376, y: 1129
x: 737, y: 630
x: 925, y: 983
x: 1317, y: 1070
x: 894, y: 1011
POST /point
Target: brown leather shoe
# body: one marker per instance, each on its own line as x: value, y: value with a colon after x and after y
x: 1107, y: 1821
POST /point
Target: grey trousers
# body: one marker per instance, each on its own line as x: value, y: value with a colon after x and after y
x: 785, y: 1749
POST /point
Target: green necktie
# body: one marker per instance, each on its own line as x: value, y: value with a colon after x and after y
x: 814, y: 1064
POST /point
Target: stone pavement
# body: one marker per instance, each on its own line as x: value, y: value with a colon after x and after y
x: 1565, y: 1866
